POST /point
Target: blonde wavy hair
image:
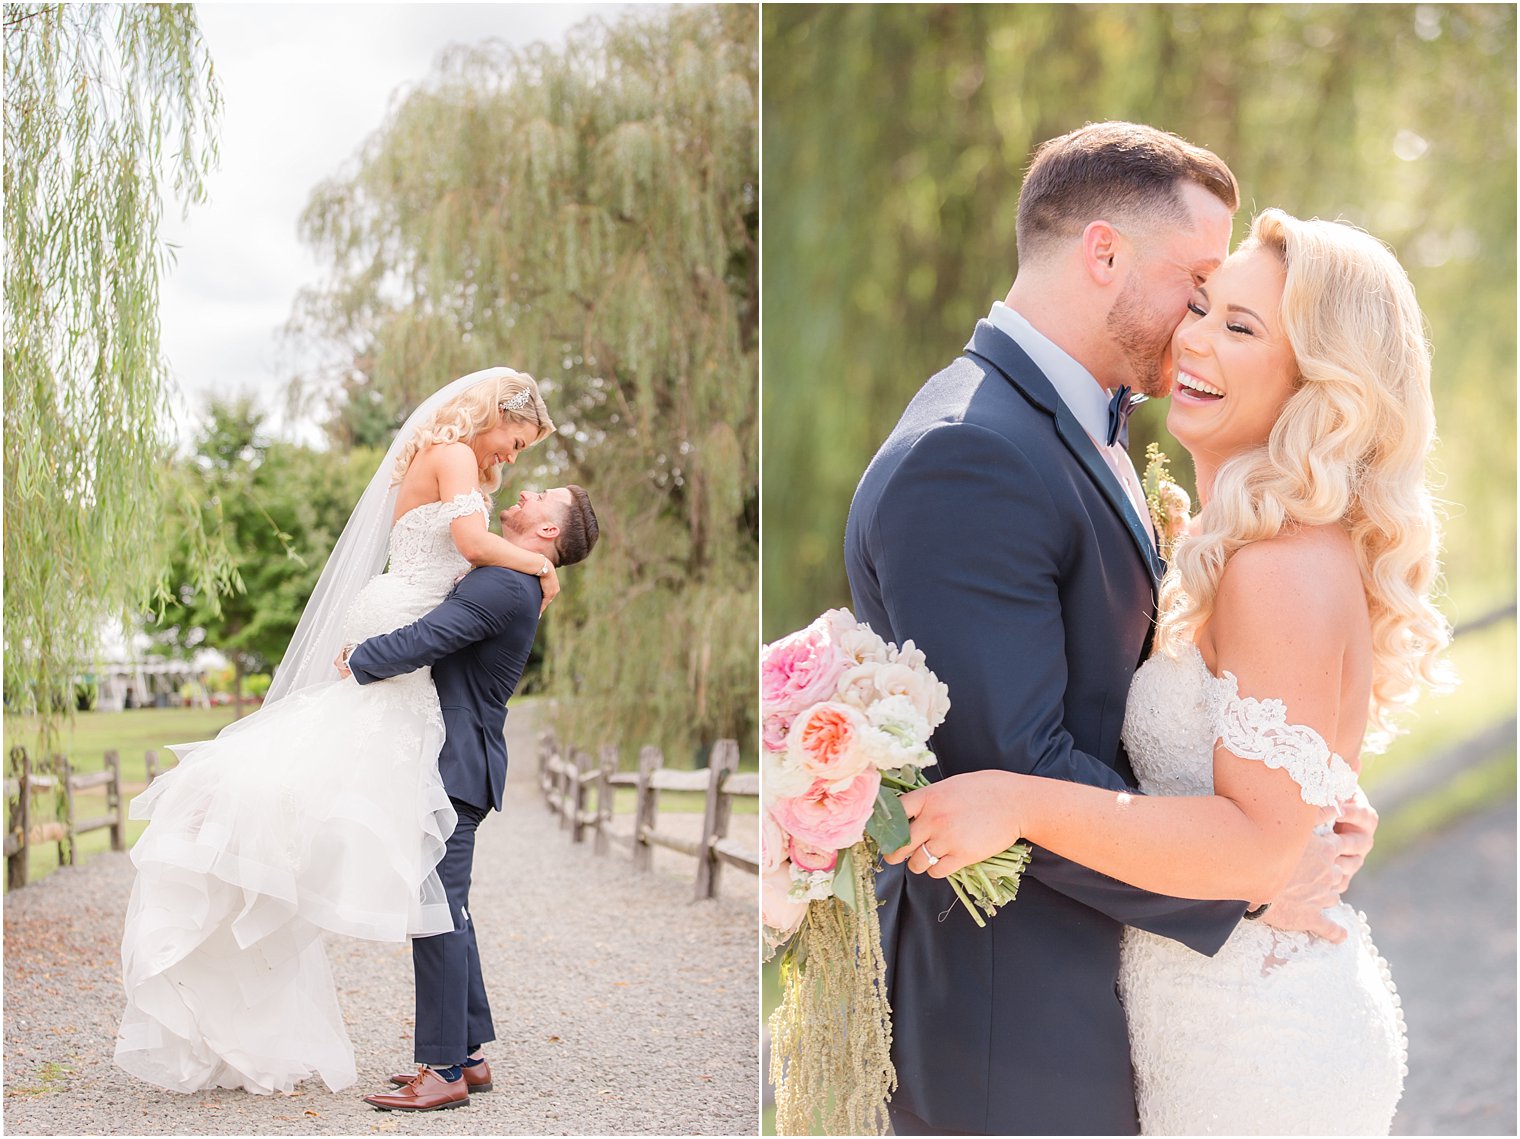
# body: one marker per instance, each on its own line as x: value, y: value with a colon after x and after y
x: 479, y: 408
x: 1349, y: 447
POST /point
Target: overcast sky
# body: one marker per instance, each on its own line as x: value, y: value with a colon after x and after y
x: 304, y: 85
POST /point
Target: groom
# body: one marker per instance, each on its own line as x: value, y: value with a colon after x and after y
x: 1003, y: 529
x: 477, y: 641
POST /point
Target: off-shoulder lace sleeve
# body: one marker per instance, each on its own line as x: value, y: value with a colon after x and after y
x: 471, y: 502
x: 1259, y: 730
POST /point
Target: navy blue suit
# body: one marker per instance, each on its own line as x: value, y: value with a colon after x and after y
x: 477, y: 641
x: 989, y: 530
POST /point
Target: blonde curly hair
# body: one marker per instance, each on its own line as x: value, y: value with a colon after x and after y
x: 509, y: 396
x: 1350, y: 447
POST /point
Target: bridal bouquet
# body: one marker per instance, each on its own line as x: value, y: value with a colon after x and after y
x: 846, y: 719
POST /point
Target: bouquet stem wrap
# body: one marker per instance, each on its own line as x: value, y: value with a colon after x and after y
x: 831, y: 1036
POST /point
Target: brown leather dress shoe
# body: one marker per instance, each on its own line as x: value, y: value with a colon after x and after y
x: 426, y: 1091
x: 477, y: 1078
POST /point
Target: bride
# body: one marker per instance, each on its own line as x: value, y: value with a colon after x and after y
x: 323, y: 810
x: 1294, y: 620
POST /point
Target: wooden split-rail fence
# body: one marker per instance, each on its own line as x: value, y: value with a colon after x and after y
x: 567, y: 781
x: 21, y: 833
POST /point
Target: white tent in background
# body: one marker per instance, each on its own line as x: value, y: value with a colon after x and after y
x: 128, y: 675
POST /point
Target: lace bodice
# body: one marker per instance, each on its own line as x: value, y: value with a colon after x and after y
x: 422, y: 549
x: 1178, y: 710
x: 424, y: 564
x: 1278, y: 1033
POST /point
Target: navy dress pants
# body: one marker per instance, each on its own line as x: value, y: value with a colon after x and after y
x: 452, y: 1010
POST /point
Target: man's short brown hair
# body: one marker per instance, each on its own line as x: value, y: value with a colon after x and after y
x: 1112, y: 171
x: 578, y: 532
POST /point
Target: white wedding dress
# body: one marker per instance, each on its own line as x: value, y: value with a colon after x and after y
x: 1278, y: 1033
x: 321, y: 812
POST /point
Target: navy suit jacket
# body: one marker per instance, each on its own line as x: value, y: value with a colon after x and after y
x: 477, y: 640
x: 989, y: 530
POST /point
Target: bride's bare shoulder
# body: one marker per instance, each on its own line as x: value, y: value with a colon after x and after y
x: 435, y: 466
x: 1308, y: 576
x: 439, y: 456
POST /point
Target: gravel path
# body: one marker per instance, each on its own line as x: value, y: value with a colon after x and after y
x: 623, y: 1007
x: 1443, y: 914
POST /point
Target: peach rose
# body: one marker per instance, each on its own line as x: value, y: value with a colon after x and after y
x: 826, y: 742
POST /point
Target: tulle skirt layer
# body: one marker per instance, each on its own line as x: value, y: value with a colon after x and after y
x: 322, y: 813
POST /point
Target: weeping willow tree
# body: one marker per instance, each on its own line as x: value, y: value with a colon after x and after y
x: 888, y: 235
x: 587, y: 214
x: 107, y: 110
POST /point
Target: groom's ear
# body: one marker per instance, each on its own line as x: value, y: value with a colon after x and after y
x: 548, y: 530
x: 1100, y: 246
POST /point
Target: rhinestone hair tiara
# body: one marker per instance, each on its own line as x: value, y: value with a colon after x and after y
x: 517, y: 402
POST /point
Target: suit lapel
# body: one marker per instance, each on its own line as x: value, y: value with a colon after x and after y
x: 991, y: 346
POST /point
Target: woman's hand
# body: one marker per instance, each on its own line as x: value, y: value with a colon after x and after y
x: 960, y: 820
x: 549, y: 583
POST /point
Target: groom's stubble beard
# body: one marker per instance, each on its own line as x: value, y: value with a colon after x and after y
x: 513, y: 524
x: 1143, y: 338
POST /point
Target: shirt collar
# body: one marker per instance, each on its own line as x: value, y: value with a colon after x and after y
x: 1074, y: 383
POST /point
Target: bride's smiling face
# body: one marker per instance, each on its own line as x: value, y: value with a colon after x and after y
x: 1235, y: 367
x: 502, y: 443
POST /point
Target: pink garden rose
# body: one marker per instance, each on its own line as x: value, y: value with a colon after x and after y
x: 773, y: 731
x: 800, y: 669
x: 774, y: 845
x: 777, y: 910
x: 812, y: 858
x: 826, y: 742
x: 828, y: 815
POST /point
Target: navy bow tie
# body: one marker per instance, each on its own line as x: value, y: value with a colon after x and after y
x: 1120, y: 408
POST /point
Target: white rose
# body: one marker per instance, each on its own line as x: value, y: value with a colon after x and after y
x: 780, y: 777
x: 933, y: 698
x: 861, y: 645
x: 857, y: 686
x: 897, y: 734
x: 810, y: 885
x: 839, y: 622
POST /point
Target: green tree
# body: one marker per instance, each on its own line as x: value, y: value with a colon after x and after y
x: 104, y: 105
x: 889, y: 233
x: 280, y: 507
x: 589, y: 215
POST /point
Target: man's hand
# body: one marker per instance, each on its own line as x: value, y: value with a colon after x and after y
x: 1356, y: 826
x: 1315, y: 887
x: 340, y: 662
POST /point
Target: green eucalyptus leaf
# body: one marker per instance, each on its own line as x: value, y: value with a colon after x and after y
x: 888, y: 824
x: 844, y: 877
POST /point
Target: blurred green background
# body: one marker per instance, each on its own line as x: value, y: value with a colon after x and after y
x: 894, y: 140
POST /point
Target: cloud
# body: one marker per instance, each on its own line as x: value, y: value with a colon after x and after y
x: 304, y: 86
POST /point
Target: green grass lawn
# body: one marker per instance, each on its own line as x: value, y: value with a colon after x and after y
x: 133, y: 733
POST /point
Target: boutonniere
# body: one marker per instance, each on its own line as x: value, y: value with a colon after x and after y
x: 1169, y: 504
